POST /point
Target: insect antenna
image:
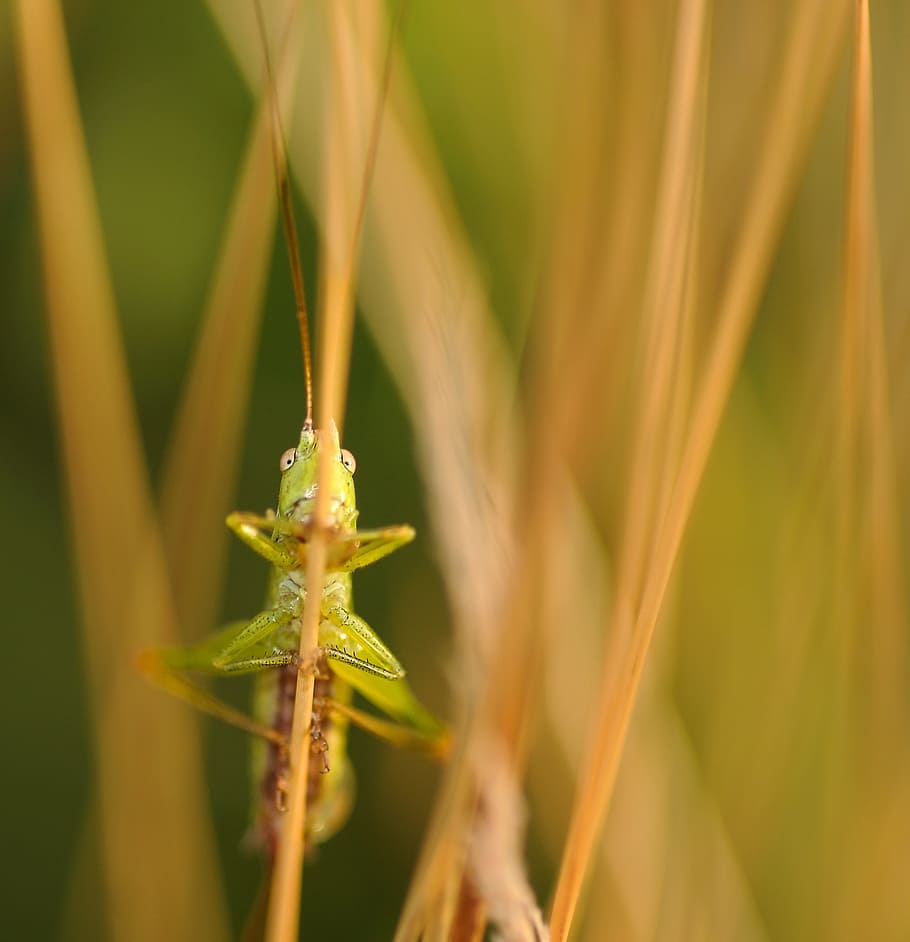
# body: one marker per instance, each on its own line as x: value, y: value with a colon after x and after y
x: 292, y: 243
x: 344, y: 233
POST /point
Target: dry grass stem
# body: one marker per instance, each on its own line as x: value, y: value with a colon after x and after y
x: 284, y: 900
x: 868, y: 450
x: 805, y: 76
x: 663, y: 316
x: 209, y: 425
x: 145, y: 755
x: 869, y: 559
x: 337, y: 282
x: 283, y: 910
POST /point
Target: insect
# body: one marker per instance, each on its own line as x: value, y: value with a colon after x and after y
x: 350, y: 655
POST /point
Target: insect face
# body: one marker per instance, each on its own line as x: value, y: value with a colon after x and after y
x: 300, y: 470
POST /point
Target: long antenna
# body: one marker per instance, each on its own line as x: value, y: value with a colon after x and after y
x: 284, y: 901
x: 292, y: 243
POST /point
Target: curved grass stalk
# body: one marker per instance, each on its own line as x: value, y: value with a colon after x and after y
x: 145, y: 757
x: 788, y: 126
x: 338, y: 281
x: 208, y: 430
x: 870, y: 560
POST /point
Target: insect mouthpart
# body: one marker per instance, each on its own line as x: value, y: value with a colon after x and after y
x: 307, y: 497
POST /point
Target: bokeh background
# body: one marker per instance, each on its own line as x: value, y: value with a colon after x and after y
x: 764, y: 792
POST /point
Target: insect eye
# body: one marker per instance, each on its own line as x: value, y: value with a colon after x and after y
x: 287, y: 459
x: 347, y: 459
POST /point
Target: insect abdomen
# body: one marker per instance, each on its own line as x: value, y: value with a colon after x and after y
x: 330, y: 778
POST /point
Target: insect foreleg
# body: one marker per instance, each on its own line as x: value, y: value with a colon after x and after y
x: 354, y: 642
x: 347, y: 551
x: 258, y: 662
x: 368, y: 546
x: 256, y: 630
x: 248, y: 528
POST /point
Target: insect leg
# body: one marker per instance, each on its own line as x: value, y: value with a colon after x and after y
x: 394, y: 697
x: 354, y: 642
x: 397, y: 734
x: 368, y: 546
x: 347, y: 551
x: 255, y: 630
x: 155, y: 664
x: 249, y: 527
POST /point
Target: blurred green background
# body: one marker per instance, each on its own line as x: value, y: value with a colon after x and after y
x: 771, y: 704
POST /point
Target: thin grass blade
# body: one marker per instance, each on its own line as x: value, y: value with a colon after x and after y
x: 148, y: 757
x: 815, y: 39
x: 211, y: 418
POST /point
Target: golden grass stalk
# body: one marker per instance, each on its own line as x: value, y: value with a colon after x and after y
x: 865, y: 408
x: 338, y: 278
x: 805, y: 76
x: 284, y: 899
x: 664, y: 314
x: 451, y: 363
x: 859, y: 232
x: 870, y: 562
x: 147, y: 758
x: 210, y: 422
x: 283, y: 908
x: 670, y: 852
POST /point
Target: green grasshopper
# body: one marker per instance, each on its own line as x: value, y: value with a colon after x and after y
x: 350, y: 655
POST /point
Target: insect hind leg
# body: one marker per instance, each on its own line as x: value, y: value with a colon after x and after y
x: 396, y: 734
x: 156, y: 665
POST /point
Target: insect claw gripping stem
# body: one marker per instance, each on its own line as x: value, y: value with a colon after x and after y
x: 281, y: 794
x: 313, y: 664
x: 319, y: 746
